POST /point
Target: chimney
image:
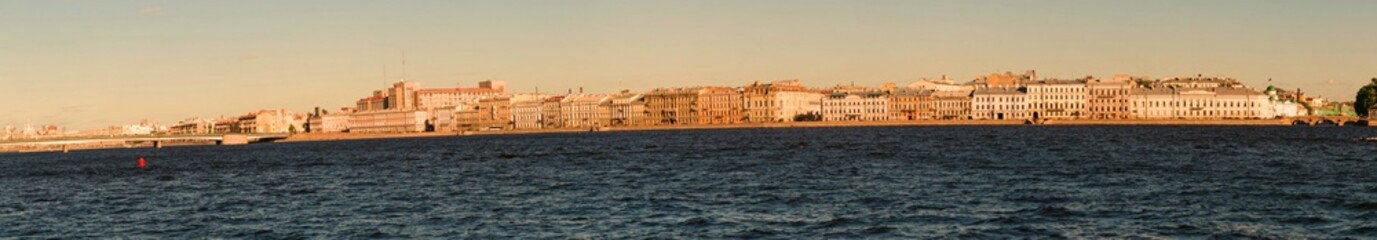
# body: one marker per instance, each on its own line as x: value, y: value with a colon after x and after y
x: 580, y: 90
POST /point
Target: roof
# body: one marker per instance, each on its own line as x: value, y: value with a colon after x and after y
x: 993, y: 91
x: 1057, y: 81
x: 457, y: 90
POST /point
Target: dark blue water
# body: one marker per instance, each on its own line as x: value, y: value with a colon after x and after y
x: 960, y: 182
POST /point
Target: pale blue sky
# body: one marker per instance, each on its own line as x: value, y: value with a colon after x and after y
x: 86, y: 64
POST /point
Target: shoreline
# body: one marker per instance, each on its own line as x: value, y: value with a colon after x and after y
x: 316, y: 137
x: 321, y: 137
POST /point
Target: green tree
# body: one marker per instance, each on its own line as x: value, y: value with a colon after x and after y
x: 1366, y: 98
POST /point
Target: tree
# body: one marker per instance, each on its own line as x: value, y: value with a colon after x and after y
x: 1366, y: 98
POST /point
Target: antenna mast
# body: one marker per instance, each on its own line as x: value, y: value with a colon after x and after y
x: 403, y: 65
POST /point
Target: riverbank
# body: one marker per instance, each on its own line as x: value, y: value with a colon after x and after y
x: 315, y: 137
x: 310, y: 137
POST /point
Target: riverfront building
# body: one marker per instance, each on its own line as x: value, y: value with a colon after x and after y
x: 627, y: 109
x: 329, y: 123
x: 193, y: 126
x: 389, y: 121
x: 528, y: 114
x: 583, y: 110
x: 999, y: 103
x: 1109, y: 99
x: 450, y: 97
x: 495, y: 113
x: 1162, y: 102
x: 911, y: 104
x: 850, y: 105
x: 696, y: 105
x: 779, y: 101
x: 951, y: 105
x: 270, y: 121
x: 1057, y: 99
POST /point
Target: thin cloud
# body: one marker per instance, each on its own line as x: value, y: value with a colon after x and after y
x: 151, y: 11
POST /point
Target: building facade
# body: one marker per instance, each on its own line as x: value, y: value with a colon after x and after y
x: 495, y: 113
x: 1109, y: 99
x: 329, y: 123
x: 390, y: 121
x: 856, y: 106
x: 779, y: 101
x: 583, y: 110
x: 627, y: 109
x: 1057, y: 99
x: 951, y: 105
x: 911, y: 104
x: 528, y: 114
x: 999, y: 104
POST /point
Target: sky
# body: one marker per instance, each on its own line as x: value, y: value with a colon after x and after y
x: 90, y: 64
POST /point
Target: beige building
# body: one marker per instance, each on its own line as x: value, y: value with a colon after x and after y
x: 450, y: 97
x: 271, y: 121
x: 528, y: 114
x: 377, y: 102
x: 1057, y: 99
x: 583, y: 110
x: 720, y: 105
x: 193, y: 126
x: 856, y: 106
x: 550, y: 112
x: 329, y: 123
x: 697, y: 105
x: 495, y: 113
x: 999, y: 104
x: 779, y: 101
x: 1109, y: 99
x: 951, y: 105
x: 627, y: 109
x: 389, y: 121
x: 1201, y: 103
x: 911, y: 104
x: 402, y: 95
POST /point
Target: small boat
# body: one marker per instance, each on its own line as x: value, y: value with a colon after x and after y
x: 1370, y: 139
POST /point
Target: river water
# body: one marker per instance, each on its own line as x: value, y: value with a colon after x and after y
x: 896, y: 182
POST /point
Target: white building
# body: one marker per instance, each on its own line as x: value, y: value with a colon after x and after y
x: 330, y: 123
x: 1057, y: 99
x: 1149, y: 103
x: 583, y: 110
x: 999, y: 103
x: 788, y: 104
x: 1201, y: 103
x: 528, y: 114
x: 856, y: 106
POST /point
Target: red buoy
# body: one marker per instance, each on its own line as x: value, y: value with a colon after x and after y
x: 142, y: 164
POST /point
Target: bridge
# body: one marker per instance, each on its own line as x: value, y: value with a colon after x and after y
x: 158, y: 141
x: 1316, y: 120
